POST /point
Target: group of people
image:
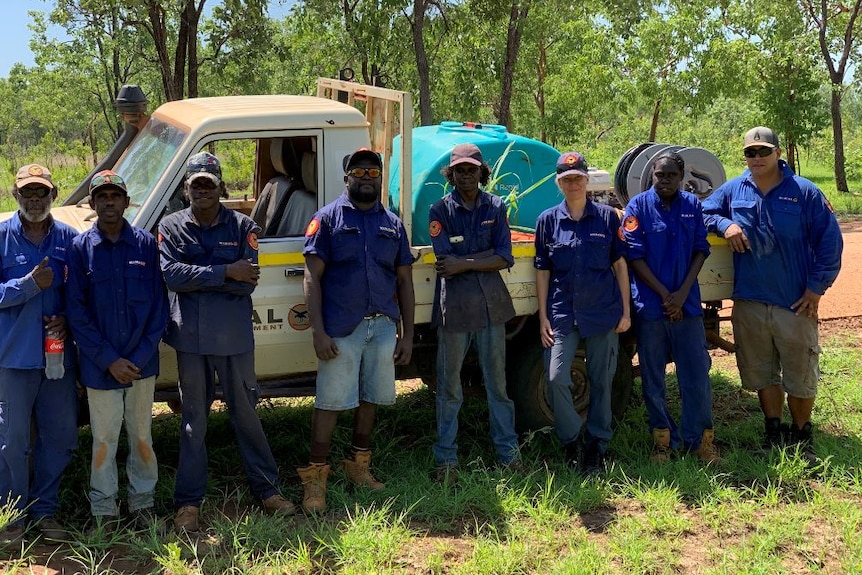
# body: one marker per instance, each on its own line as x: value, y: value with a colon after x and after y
x: 110, y: 294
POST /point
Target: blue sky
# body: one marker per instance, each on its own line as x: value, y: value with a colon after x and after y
x: 15, y: 35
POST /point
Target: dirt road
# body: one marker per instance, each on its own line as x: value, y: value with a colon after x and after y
x: 843, y: 298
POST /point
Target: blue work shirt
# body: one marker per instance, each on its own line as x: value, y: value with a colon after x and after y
x: 472, y: 300
x: 22, y: 304
x: 666, y: 239
x: 361, y: 251
x: 579, y: 254
x: 117, y: 303
x: 210, y: 313
x: 795, y: 242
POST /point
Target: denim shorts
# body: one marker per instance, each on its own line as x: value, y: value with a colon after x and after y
x: 363, y: 370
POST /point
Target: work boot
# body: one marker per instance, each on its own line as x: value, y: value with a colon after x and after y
x: 574, y: 452
x: 12, y: 535
x: 661, y: 451
x: 51, y: 529
x: 314, y: 487
x: 446, y: 474
x: 593, y: 460
x: 277, y: 505
x: 186, y: 520
x: 775, y: 433
x: 803, y: 440
x: 359, y: 472
x: 707, y: 451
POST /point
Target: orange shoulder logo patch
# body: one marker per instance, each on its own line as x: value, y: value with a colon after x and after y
x: 252, y: 240
x: 434, y: 228
x: 620, y: 234
x: 312, y: 228
x: 161, y: 237
x: 630, y: 224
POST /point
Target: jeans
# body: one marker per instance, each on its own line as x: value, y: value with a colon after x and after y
x: 364, y: 368
x: 452, y: 347
x: 601, y: 351
x: 197, y: 391
x: 685, y: 342
x: 26, y: 395
x: 108, y: 409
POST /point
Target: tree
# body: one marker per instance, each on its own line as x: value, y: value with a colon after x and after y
x: 836, y: 26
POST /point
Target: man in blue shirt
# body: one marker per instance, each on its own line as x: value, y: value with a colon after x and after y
x: 787, y: 251
x: 666, y: 247
x: 472, y: 241
x: 118, y: 309
x: 32, y: 308
x: 359, y: 292
x: 582, y: 284
x: 209, y: 260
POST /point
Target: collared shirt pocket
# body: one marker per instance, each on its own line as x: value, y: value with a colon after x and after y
x: 139, y: 282
x: 386, y: 247
x: 346, y: 243
x: 787, y: 219
x: 744, y: 213
x: 598, y: 253
x: 562, y: 256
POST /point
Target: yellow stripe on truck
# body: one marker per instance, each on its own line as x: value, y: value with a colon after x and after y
x: 286, y: 259
x: 518, y: 251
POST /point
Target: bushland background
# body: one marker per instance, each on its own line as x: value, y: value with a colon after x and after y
x: 596, y: 76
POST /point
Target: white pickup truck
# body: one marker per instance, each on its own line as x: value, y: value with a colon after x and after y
x: 293, y: 147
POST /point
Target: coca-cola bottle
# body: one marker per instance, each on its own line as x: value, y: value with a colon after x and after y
x: 54, y: 349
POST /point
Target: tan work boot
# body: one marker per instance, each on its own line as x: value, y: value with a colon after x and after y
x: 707, y: 451
x: 314, y: 487
x: 359, y: 472
x: 186, y: 520
x: 277, y: 505
x: 660, y: 445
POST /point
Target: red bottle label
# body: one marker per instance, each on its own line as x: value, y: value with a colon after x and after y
x: 54, y: 345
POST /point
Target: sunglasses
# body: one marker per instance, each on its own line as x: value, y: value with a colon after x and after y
x: 758, y: 152
x: 360, y: 172
x: 34, y: 192
x: 107, y: 179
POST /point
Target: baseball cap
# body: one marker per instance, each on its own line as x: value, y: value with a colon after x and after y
x: 34, y: 174
x: 359, y: 155
x: 761, y: 136
x: 571, y: 163
x: 107, y: 178
x: 465, y: 154
x: 203, y: 164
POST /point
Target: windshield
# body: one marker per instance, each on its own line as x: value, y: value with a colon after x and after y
x: 146, y: 160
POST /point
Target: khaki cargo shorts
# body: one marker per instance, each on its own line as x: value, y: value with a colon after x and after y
x: 774, y: 346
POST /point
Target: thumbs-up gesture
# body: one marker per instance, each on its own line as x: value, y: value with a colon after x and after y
x: 43, y: 274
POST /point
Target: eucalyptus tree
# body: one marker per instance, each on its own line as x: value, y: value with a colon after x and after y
x: 838, y: 28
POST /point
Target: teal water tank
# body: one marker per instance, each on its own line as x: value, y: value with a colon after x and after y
x: 527, y: 162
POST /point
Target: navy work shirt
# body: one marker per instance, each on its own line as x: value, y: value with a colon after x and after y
x: 794, y: 237
x: 361, y: 251
x: 210, y: 313
x: 118, y: 305
x: 666, y: 239
x: 22, y: 304
x: 472, y: 300
x: 579, y: 255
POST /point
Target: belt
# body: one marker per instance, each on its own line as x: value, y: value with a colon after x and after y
x: 374, y: 315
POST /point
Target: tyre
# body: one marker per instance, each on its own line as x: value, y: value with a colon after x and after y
x: 528, y: 385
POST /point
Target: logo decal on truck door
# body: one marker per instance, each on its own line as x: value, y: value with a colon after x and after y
x: 297, y: 318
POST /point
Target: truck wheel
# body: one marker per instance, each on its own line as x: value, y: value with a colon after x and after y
x: 529, y: 390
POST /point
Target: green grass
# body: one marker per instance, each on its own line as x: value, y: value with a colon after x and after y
x: 756, y: 513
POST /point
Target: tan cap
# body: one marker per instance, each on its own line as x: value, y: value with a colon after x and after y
x: 33, y: 174
x: 760, y: 136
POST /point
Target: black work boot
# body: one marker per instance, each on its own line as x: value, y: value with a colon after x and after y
x: 593, y: 460
x: 803, y: 440
x: 775, y: 433
x: 574, y: 452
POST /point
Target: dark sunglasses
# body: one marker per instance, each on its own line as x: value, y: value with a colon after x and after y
x: 34, y: 192
x: 758, y: 152
x: 107, y: 179
x: 360, y: 172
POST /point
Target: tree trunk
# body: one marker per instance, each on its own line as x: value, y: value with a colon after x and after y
x: 417, y: 26
x: 517, y: 19
x: 653, y: 127
x: 541, y: 73
x: 838, y: 140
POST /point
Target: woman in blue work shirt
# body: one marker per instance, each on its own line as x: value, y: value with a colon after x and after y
x: 582, y: 283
